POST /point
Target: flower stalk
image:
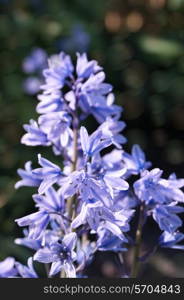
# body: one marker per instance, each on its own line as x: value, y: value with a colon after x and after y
x: 137, y: 248
x: 97, y: 195
x: 71, y: 200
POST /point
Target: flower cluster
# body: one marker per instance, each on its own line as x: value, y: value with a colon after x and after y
x: 86, y: 203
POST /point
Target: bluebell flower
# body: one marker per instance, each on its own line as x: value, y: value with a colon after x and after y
x: 59, y: 68
x: 103, y: 107
x: 34, y: 136
x: 37, y: 223
x: 171, y: 240
x: 28, y: 242
x: 52, y: 201
x: 7, y: 268
x: 97, y: 216
x: 50, y: 103
x: 113, y: 160
x: 93, y: 99
x: 111, y: 129
x: 26, y: 271
x: 93, y: 144
x: 165, y: 216
x: 105, y: 135
x: 86, y: 186
x: 135, y: 162
x: 177, y: 182
x: 152, y: 188
x: 114, y: 181
x: 60, y: 254
x: 56, y: 126
x: 28, y: 177
x: 50, y: 207
x: 85, y: 68
x: 49, y: 235
x: 93, y: 185
x: 50, y: 174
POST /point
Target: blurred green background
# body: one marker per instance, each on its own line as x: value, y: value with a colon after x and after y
x: 140, y: 44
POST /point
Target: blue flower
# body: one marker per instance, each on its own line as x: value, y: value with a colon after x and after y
x: 171, y: 240
x: 165, y: 216
x: 114, y: 181
x: 59, y: 68
x: 86, y: 186
x: 85, y: 68
x: 174, y: 181
x: 113, y: 160
x: 34, y: 136
x: 60, y: 254
x: 37, y: 223
x: 93, y: 185
x: 56, y: 126
x: 111, y: 129
x: 136, y: 162
x: 28, y: 177
x: 152, y: 188
x: 50, y: 103
x: 7, y: 268
x: 95, y: 98
x: 97, y: 216
x: 28, y: 242
x: 50, y: 207
x: 50, y: 174
x: 103, y: 107
x: 93, y: 144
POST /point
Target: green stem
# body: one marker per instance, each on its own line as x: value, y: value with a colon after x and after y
x: 71, y: 200
x: 137, y: 248
x: 47, y: 269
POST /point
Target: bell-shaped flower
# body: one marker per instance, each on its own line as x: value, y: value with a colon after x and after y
x: 56, y: 125
x: 135, y: 162
x: 60, y: 254
x: 50, y: 207
x: 165, y: 216
x: 29, y: 178
x: 111, y: 129
x: 97, y: 216
x: 59, y: 68
x: 171, y: 240
x: 50, y: 174
x: 152, y: 188
x: 50, y: 103
x: 85, y: 68
x: 34, y: 136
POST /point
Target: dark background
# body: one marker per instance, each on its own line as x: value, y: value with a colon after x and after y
x: 140, y: 44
